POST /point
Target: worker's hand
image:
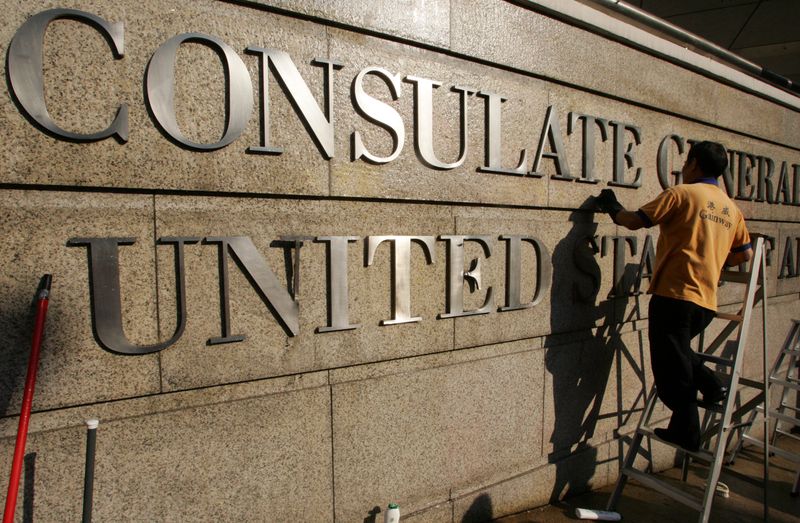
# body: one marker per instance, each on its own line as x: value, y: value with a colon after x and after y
x: 607, y: 202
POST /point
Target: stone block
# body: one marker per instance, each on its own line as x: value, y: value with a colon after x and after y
x: 458, y: 418
x: 73, y: 369
x: 570, y: 302
x: 259, y: 451
x: 268, y: 350
x: 418, y: 20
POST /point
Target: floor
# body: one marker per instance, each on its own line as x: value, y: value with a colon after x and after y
x: 745, y: 504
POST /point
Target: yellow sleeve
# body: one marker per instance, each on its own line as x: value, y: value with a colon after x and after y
x: 741, y: 238
x: 658, y: 210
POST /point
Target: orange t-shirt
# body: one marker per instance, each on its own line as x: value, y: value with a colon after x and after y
x: 700, y: 226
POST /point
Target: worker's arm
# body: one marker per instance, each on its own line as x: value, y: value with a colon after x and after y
x: 735, y: 258
x: 628, y: 219
x: 607, y: 202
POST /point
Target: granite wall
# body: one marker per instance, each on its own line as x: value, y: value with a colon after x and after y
x: 394, y: 391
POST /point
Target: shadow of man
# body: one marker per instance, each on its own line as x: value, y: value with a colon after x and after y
x: 580, y: 353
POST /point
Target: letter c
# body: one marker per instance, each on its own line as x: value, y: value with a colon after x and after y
x: 25, y: 71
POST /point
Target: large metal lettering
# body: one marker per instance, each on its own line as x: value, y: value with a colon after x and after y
x: 790, y: 262
x: 766, y: 187
x: 456, y: 275
x: 320, y: 124
x: 551, y: 133
x: 423, y: 117
x: 401, y: 273
x: 338, y: 293
x: 624, y: 157
x: 26, y: 76
x: 588, y: 124
x: 514, y: 272
x: 106, y: 302
x: 620, y: 286
x: 378, y: 113
x: 285, y: 309
x: 663, y: 169
x: 494, y: 141
x: 160, y: 87
x: 745, y: 176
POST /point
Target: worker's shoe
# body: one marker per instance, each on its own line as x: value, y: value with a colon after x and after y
x: 677, y: 439
x: 717, y: 396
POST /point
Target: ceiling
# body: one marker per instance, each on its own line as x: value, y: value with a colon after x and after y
x: 766, y: 32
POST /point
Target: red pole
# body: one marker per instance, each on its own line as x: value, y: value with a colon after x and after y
x: 42, y: 300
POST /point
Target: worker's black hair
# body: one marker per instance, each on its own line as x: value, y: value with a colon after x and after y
x: 712, y: 158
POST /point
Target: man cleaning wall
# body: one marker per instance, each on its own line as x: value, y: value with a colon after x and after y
x: 701, y: 229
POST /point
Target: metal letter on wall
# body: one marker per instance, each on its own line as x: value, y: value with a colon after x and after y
x: 746, y: 163
x: 588, y: 125
x: 280, y: 302
x: 401, y: 273
x: 161, y: 89
x: 106, y: 303
x: 621, y: 287
x: 624, y: 156
x: 784, y: 194
x: 551, y: 133
x: 320, y: 124
x: 378, y: 113
x: 338, y: 292
x: 423, y: 116
x: 514, y: 272
x: 663, y: 163
x: 26, y: 76
x: 494, y: 139
x: 456, y: 276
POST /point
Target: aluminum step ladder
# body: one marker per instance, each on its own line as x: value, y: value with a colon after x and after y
x: 727, y: 352
x: 784, y: 375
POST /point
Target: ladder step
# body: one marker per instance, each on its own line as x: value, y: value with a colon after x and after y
x: 700, y: 455
x: 788, y: 434
x: 665, y: 488
x: 779, y: 415
x: 772, y: 448
x: 715, y: 359
x: 784, y: 383
x: 735, y: 276
x: 729, y: 317
x: 748, y: 382
x: 785, y: 406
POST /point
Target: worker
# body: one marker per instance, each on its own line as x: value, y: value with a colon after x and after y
x: 701, y: 230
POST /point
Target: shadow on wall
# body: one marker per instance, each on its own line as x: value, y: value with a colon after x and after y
x: 480, y: 511
x: 580, y: 362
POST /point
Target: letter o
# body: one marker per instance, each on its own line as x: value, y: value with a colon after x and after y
x: 161, y: 89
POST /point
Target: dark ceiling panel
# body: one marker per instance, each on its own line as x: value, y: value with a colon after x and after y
x: 774, y: 22
x: 667, y: 8
x: 721, y: 26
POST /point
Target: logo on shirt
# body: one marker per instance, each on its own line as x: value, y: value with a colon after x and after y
x: 709, y: 214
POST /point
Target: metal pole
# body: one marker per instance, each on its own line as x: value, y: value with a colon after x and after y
x: 42, y: 302
x: 766, y: 373
x: 88, y: 475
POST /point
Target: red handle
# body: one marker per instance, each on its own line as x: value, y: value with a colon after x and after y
x: 27, y: 401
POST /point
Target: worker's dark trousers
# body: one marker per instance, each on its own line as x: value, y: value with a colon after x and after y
x: 679, y: 373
